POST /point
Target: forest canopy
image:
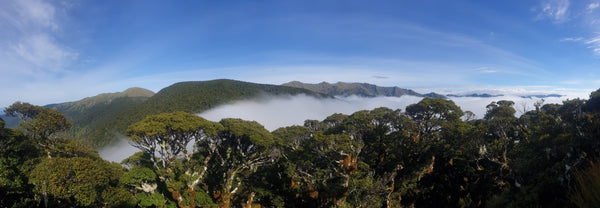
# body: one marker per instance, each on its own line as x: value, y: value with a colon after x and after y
x: 431, y: 155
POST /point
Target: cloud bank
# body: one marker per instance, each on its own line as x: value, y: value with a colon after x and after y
x: 119, y: 151
x: 275, y: 112
x: 281, y: 111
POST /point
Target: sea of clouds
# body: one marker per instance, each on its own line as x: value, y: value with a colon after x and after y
x: 275, y: 112
x: 280, y: 111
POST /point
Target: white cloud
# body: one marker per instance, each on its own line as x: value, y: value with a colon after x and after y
x: 485, y: 70
x: 593, y: 6
x: 556, y: 10
x: 29, y: 16
x: 571, y: 39
x: 34, y: 63
x: 43, y: 52
x: 38, y: 12
x: 594, y: 44
x: 29, y: 42
x: 118, y: 151
x: 275, y: 112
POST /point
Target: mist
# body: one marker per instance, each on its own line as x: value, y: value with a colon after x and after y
x: 274, y: 112
x: 281, y: 111
x: 118, y: 151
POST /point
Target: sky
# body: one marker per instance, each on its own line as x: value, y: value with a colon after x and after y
x: 62, y: 50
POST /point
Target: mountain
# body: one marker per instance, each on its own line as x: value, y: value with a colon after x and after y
x: 92, y: 117
x: 100, y: 119
x: 104, y: 98
x: 97, y: 121
x: 198, y: 96
x: 360, y: 89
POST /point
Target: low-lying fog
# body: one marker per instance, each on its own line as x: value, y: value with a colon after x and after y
x: 274, y: 112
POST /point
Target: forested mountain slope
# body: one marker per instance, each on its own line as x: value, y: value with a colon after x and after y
x: 98, y: 120
x: 92, y: 117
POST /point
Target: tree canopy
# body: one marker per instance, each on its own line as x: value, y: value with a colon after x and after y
x: 426, y: 156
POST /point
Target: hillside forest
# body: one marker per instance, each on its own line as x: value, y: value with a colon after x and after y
x: 432, y: 154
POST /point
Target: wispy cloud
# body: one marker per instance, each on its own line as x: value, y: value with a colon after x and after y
x: 43, y: 52
x: 556, y: 10
x: 593, y: 6
x: 29, y: 15
x: 29, y: 41
x: 571, y: 39
x: 594, y: 44
x: 34, y: 62
x: 485, y: 70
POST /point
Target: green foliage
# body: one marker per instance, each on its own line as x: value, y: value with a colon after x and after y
x: 15, y: 150
x: 251, y: 130
x: 425, y: 157
x: 243, y: 147
x: 593, y: 104
x: 78, y: 180
x: 167, y: 136
x: 290, y: 136
x: 41, y: 123
x: 93, y: 123
x: 431, y: 113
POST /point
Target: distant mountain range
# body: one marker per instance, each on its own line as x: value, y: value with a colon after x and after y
x: 359, y: 89
x: 97, y: 121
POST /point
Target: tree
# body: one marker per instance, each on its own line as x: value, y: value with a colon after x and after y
x: 593, y: 104
x: 322, y: 168
x: 80, y: 181
x: 430, y: 113
x: 243, y: 147
x: 166, y: 138
x: 40, y: 123
x: 15, y: 151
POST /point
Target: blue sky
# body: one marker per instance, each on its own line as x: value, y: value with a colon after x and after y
x: 57, y: 51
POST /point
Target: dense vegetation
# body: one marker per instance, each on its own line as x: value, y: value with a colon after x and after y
x: 431, y: 155
x: 93, y: 117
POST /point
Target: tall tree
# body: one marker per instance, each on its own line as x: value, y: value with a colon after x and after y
x: 430, y: 113
x: 243, y: 147
x: 166, y: 138
x: 40, y: 123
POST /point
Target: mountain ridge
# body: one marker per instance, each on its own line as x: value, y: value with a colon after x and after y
x: 359, y: 89
x: 102, y: 98
x: 100, y: 119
